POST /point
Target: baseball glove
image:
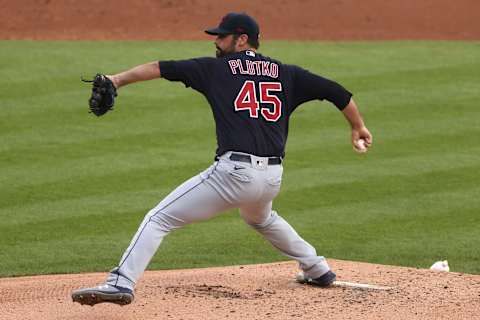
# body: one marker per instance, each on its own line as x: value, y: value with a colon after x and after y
x: 103, y: 95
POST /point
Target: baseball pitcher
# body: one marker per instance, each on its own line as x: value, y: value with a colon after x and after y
x: 252, y: 97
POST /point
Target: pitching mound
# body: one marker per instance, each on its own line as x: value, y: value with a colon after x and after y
x: 266, y: 291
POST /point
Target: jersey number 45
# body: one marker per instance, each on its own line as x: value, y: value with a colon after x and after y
x: 271, y: 108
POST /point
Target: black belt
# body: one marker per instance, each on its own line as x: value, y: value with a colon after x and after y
x: 246, y: 158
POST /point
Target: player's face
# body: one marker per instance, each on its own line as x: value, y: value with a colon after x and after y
x: 225, y: 44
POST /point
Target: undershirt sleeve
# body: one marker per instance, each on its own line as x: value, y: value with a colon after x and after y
x: 193, y: 73
x: 309, y: 86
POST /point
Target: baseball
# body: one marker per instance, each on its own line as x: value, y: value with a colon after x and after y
x: 361, y: 148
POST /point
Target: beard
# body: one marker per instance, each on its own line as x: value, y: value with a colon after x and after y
x: 228, y: 50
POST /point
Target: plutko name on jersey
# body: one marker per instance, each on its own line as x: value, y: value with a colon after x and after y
x: 254, y: 68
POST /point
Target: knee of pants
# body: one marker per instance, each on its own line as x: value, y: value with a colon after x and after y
x: 264, y: 223
x: 256, y: 214
x: 165, y: 221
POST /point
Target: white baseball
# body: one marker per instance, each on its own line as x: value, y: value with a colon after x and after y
x: 361, y: 148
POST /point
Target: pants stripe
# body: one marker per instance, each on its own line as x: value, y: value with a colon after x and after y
x: 158, y: 211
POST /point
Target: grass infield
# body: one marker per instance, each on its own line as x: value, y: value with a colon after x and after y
x: 74, y: 188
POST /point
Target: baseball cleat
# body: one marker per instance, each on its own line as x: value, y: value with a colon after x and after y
x: 325, y: 280
x: 103, y: 293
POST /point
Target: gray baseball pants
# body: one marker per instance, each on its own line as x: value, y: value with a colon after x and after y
x: 226, y: 184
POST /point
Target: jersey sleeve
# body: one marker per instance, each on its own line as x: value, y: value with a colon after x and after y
x: 193, y: 73
x: 308, y: 86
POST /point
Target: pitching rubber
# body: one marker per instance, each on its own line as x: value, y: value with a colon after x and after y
x: 362, y: 286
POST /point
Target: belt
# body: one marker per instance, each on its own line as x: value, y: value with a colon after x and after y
x: 247, y: 158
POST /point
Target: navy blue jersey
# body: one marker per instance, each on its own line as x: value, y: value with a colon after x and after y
x: 252, y: 97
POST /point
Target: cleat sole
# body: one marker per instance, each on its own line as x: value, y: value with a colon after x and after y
x: 100, y: 297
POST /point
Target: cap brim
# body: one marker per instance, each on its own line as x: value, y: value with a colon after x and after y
x: 217, y: 31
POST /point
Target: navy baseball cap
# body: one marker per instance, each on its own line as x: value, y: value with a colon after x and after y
x: 236, y: 23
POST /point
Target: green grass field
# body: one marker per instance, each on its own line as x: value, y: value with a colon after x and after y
x: 74, y: 188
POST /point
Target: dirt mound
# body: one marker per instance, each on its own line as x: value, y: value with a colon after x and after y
x: 279, y: 19
x: 266, y: 291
